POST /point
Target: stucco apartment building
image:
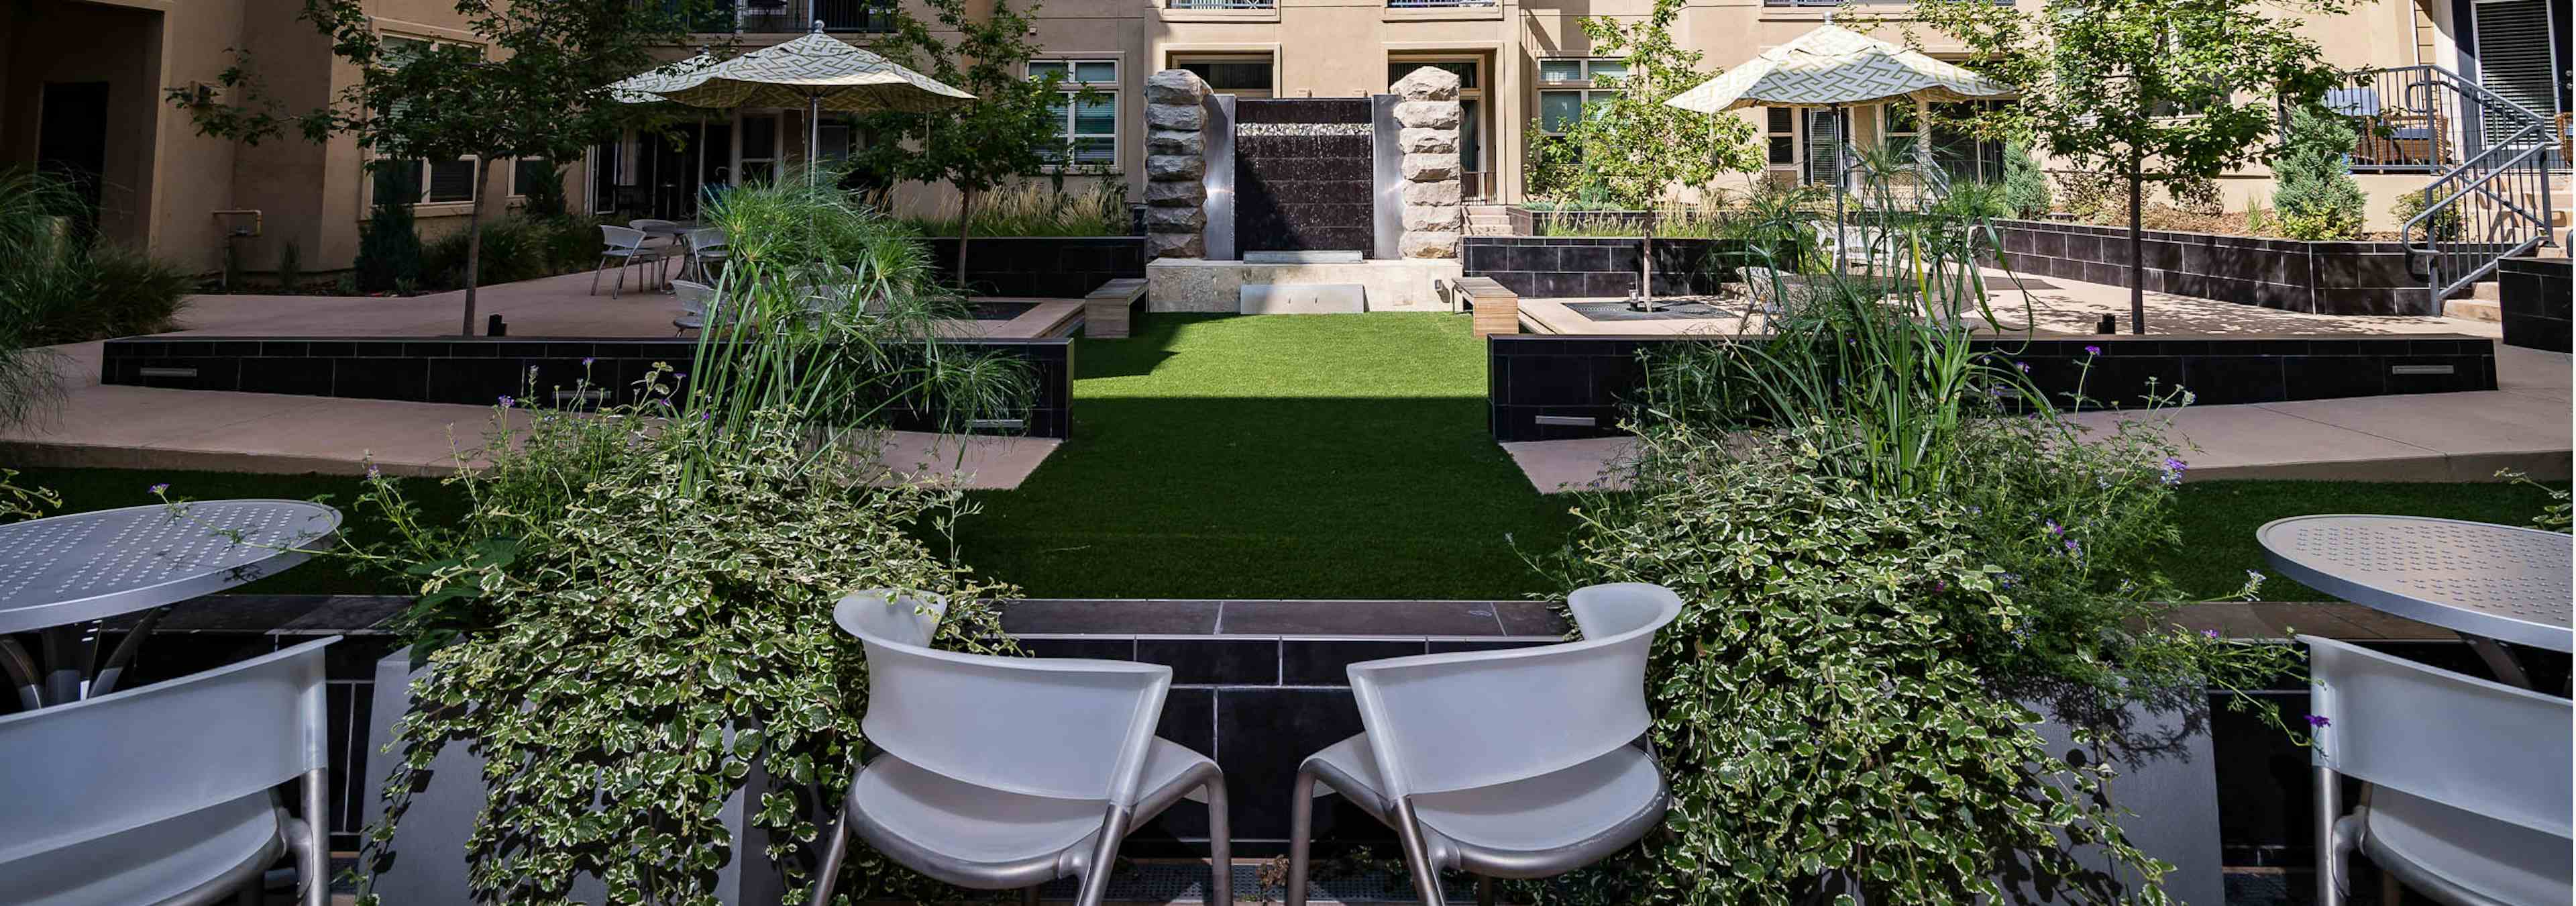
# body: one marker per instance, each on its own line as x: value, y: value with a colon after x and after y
x: 82, y: 85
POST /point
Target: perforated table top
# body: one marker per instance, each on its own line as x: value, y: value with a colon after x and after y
x: 2495, y: 581
x: 89, y: 566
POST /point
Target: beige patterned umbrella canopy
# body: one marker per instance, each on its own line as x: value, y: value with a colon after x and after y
x: 816, y: 70
x: 1835, y: 65
x: 646, y: 87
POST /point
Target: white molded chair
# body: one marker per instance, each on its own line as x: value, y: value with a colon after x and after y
x: 2468, y: 801
x: 1002, y: 773
x: 626, y: 247
x: 168, y: 793
x: 1519, y: 763
x: 698, y: 301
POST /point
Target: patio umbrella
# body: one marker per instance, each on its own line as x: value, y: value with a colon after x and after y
x: 822, y: 73
x: 1832, y: 67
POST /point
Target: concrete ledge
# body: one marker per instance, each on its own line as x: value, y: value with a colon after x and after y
x: 1200, y: 285
x: 1108, y: 313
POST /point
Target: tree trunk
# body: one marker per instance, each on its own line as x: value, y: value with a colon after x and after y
x: 2137, y: 249
x: 474, y: 238
x: 965, y: 228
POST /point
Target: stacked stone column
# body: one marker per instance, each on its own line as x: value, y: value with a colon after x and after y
x: 1175, y: 164
x: 1429, y: 115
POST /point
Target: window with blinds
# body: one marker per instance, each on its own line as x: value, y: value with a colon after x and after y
x: 2514, y: 61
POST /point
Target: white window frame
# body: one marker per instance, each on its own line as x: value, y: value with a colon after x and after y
x: 474, y: 186
x: 1796, y: 134
x: 1072, y: 113
x: 1592, y: 83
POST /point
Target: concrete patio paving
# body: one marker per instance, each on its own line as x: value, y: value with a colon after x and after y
x: 2523, y: 425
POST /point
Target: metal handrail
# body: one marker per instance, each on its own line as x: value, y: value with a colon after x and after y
x: 2467, y: 261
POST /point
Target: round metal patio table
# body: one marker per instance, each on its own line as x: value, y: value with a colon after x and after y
x: 61, y: 576
x: 2489, y: 583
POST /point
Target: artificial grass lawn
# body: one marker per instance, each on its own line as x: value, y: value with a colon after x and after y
x: 1274, y: 456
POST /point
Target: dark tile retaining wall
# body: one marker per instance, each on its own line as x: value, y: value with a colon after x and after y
x: 481, y: 370
x: 1558, y: 267
x: 2532, y: 294
x: 1532, y: 377
x: 2335, y: 278
x: 1040, y: 267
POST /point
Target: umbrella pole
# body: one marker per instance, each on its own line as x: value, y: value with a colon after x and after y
x: 1842, y: 152
x: 813, y: 134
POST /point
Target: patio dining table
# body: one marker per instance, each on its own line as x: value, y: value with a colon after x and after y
x: 2490, y: 584
x: 62, y: 577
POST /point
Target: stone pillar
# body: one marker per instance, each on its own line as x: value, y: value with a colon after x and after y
x: 1432, y: 196
x: 1175, y: 164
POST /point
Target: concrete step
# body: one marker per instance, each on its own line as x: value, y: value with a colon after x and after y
x: 2473, y: 309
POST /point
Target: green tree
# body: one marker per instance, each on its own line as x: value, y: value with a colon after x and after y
x: 1630, y: 148
x: 534, y: 85
x: 1011, y: 131
x: 2025, y: 183
x: 2317, y: 197
x: 2156, y: 91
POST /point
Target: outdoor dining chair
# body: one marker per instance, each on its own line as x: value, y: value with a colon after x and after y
x: 705, y: 245
x: 697, y: 302
x: 625, y: 246
x: 2468, y: 796
x: 1001, y: 773
x: 168, y: 793
x: 1520, y: 763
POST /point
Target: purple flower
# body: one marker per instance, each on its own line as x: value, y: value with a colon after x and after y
x: 2173, y: 469
x: 1941, y: 585
x: 372, y: 474
x: 506, y: 402
x: 2210, y: 634
x: 2092, y: 350
x: 2054, y: 530
x: 162, y: 488
x: 2319, y: 720
x: 2024, y: 366
x: 2072, y: 547
x: 588, y: 360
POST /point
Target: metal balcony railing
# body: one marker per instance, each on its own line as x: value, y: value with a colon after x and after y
x: 1435, y: 4
x: 758, y: 17
x: 1221, y: 4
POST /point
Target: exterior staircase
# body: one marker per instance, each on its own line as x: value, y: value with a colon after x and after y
x: 2500, y: 200
x: 1488, y: 220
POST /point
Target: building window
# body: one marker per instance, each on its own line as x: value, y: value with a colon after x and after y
x: 1782, y: 131
x: 1089, y: 107
x: 1899, y: 127
x: 759, y: 147
x: 1470, y: 71
x: 1568, y: 87
x: 526, y: 171
x: 1960, y: 154
x: 603, y: 176
x: 432, y: 181
x: 1238, y: 75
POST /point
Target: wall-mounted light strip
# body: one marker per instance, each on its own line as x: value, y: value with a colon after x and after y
x: 1567, y: 421
x: 2420, y: 369
x: 1008, y: 424
x: 166, y: 372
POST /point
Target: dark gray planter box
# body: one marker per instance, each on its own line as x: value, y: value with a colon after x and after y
x: 1039, y: 267
x: 2334, y: 278
x: 2532, y: 295
x: 1559, y: 267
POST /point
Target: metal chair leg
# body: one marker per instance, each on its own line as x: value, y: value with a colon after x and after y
x: 1220, y: 842
x: 834, y: 850
x: 1484, y: 891
x: 1029, y: 896
x: 313, y: 861
x: 1104, y: 858
x: 1417, y: 855
x: 1301, y: 827
x: 594, y: 274
x: 2329, y: 893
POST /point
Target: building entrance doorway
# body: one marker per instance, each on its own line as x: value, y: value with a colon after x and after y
x: 71, y: 141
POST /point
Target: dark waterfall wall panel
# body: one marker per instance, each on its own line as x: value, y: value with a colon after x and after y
x: 2532, y: 294
x: 1302, y: 175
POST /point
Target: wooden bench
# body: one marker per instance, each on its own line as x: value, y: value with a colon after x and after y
x: 1108, y: 313
x: 1496, y: 308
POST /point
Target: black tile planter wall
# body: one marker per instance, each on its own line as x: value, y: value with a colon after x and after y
x: 1304, y: 171
x: 2532, y: 294
x: 1558, y: 386
x: 1040, y: 267
x: 482, y: 370
x: 1559, y: 267
x: 2334, y: 278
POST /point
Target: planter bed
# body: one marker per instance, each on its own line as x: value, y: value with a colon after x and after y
x: 482, y: 370
x: 1559, y: 386
x: 1560, y: 267
x: 1039, y: 267
x: 2334, y: 278
x: 2532, y: 295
